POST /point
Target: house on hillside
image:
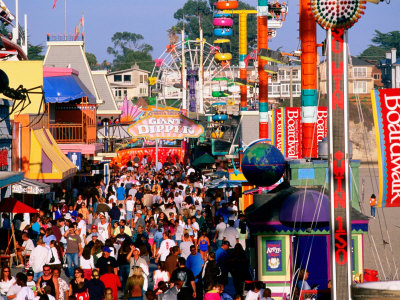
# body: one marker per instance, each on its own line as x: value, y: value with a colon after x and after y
x: 360, y: 77
x: 130, y: 83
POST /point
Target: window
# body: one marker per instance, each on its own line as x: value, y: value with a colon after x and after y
x: 282, y: 75
x: 377, y: 76
x: 295, y: 74
x: 141, y: 78
x: 273, y: 89
x: 360, y: 87
x: 285, y: 89
x: 127, y: 78
x: 296, y: 89
x: 119, y: 92
x: 117, y: 78
x: 145, y: 78
x: 360, y: 72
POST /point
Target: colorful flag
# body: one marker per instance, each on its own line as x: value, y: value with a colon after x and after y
x: 80, y: 25
x: 251, y: 56
x: 54, y: 5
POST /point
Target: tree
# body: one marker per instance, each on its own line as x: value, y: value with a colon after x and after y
x: 35, y: 52
x: 129, y: 49
x: 191, y: 11
x: 382, y: 42
x: 91, y: 58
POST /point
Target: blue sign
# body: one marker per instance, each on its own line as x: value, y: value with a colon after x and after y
x: 274, y: 255
x: 76, y: 158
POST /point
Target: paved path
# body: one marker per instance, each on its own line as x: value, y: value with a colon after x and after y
x: 384, y: 230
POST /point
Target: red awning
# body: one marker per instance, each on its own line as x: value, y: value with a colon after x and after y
x: 12, y: 205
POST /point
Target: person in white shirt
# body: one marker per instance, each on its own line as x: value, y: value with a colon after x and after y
x: 25, y: 249
x: 81, y: 229
x: 256, y: 292
x: 185, y: 246
x: 25, y: 293
x: 39, y: 257
x: 129, y: 207
x: 178, y: 199
x: 165, y: 245
x: 112, y: 198
x: 6, y: 281
x: 231, y: 234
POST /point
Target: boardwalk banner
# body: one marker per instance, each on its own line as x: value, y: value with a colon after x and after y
x: 292, y: 132
x: 386, y: 111
x: 322, y: 123
x: 165, y: 125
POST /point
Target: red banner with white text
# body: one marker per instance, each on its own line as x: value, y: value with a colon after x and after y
x: 292, y: 132
x: 386, y: 111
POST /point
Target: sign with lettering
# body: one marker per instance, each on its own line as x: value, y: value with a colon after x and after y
x: 27, y: 189
x: 339, y: 161
x: 165, y: 125
x: 292, y: 132
x: 322, y: 123
x: 277, y: 123
x: 4, y: 159
x: 386, y: 111
x: 274, y: 255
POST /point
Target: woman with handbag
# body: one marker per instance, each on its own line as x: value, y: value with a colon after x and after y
x: 54, y: 255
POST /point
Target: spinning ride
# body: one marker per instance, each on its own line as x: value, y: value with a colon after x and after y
x: 184, y: 75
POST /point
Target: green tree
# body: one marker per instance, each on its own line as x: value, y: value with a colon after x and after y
x: 35, y: 52
x: 129, y: 49
x: 91, y: 58
x: 382, y: 42
x: 191, y: 11
x: 4, y: 29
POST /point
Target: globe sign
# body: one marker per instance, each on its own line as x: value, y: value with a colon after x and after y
x: 263, y: 164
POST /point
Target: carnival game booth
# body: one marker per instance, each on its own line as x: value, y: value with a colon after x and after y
x: 290, y: 231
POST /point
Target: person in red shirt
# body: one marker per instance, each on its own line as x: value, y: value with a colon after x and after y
x: 111, y: 281
x: 372, y: 203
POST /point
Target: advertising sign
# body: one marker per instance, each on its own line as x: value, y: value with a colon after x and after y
x: 322, y: 123
x: 274, y: 255
x: 278, y: 129
x: 386, y: 111
x: 292, y: 132
x: 165, y: 125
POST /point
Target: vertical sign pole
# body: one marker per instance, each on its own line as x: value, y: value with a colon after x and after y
x: 340, y: 222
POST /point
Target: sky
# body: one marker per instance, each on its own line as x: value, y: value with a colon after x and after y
x: 152, y: 18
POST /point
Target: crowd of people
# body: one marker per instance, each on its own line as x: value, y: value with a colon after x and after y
x: 107, y: 237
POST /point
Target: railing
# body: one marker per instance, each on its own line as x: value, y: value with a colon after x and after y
x: 73, y: 133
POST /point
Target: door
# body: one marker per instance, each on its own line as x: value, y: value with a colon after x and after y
x: 315, y: 249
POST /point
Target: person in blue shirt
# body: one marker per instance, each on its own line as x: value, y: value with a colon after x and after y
x: 6, y: 222
x: 221, y: 256
x: 195, y: 262
x: 121, y: 193
x: 223, y: 212
x: 302, y: 283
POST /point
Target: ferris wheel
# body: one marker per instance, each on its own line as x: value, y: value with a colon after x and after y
x: 190, y: 74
